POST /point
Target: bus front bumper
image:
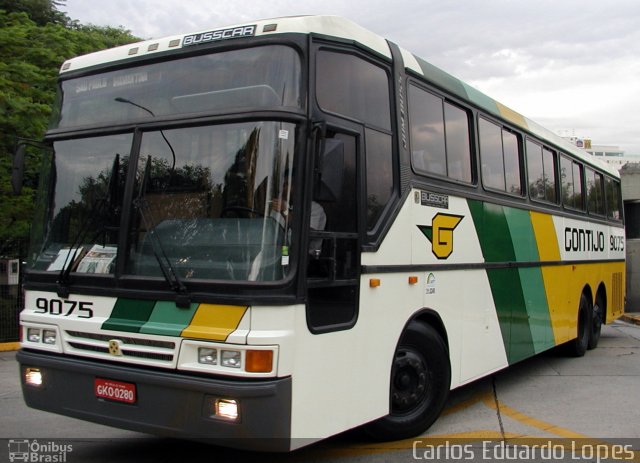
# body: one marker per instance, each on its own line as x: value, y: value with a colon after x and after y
x: 166, y: 403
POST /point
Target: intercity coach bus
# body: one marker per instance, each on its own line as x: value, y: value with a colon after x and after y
x: 270, y: 233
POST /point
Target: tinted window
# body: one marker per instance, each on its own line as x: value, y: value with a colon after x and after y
x: 535, y: 170
x: 511, y: 163
x: 352, y: 87
x: 549, y: 164
x: 571, y: 183
x: 427, y: 132
x: 439, y: 136
x: 379, y: 174
x: 578, y: 190
x: 500, y: 154
x: 595, y: 192
x: 458, y: 144
x: 541, y: 165
x: 491, y: 153
x: 259, y: 77
x: 613, y: 198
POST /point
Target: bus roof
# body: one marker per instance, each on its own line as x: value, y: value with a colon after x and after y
x: 342, y: 28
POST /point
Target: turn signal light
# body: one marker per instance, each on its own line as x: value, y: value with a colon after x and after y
x: 259, y: 361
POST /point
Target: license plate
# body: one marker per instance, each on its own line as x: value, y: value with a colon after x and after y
x: 115, y: 390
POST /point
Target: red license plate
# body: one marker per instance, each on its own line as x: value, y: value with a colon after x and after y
x: 115, y: 390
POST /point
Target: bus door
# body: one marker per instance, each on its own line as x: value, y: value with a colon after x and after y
x: 333, y: 259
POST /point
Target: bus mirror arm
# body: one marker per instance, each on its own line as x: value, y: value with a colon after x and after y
x: 17, y: 171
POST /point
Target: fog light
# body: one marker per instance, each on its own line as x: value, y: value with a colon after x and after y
x: 227, y: 408
x: 231, y: 358
x: 49, y: 336
x: 33, y: 377
x: 207, y: 356
x: 33, y: 335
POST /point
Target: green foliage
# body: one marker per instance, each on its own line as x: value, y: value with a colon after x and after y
x: 36, y: 39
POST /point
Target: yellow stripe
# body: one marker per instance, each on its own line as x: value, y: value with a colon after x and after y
x: 214, y: 322
x: 546, y: 237
x: 511, y: 115
x: 564, y: 284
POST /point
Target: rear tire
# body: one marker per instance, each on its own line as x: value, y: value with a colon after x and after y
x: 597, y: 320
x: 420, y: 382
x: 578, y: 347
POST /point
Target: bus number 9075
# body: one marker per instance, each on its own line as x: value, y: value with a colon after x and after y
x: 82, y: 309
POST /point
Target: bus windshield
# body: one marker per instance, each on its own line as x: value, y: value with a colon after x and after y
x: 252, y: 78
x: 202, y: 200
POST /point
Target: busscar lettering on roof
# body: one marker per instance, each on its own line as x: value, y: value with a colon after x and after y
x: 221, y: 34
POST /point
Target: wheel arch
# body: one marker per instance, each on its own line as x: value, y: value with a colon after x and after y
x: 432, y: 318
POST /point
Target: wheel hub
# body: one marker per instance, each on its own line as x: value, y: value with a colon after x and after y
x: 409, y: 381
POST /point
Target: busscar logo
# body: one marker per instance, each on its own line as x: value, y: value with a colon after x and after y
x: 440, y: 233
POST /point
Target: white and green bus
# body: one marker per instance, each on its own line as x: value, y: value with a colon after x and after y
x: 270, y: 233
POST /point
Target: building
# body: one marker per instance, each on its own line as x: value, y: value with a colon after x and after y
x: 611, y: 154
x: 630, y: 178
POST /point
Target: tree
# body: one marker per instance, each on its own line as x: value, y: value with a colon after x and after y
x: 42, y: 12
x: 36, y: 39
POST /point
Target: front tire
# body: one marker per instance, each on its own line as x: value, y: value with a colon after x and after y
x: 420, y: 382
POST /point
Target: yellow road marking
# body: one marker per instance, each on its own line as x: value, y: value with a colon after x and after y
x: 568, y: 439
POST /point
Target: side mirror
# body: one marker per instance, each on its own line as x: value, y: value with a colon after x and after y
x: 17, y: 174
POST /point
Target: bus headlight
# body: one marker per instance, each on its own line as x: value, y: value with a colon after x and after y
x: 33, y: 334
x: 231, y: 359
x: 49, y: 336
x: 207, y: 356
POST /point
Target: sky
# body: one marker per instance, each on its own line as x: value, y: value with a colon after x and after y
x: 573, y: 66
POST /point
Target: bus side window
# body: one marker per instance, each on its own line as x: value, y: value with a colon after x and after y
x: 500, y: 156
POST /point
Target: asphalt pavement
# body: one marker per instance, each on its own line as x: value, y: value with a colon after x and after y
x: 589, y: 402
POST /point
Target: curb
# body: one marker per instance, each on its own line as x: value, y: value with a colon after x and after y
x: 631, y: 318
x: 9, y: 346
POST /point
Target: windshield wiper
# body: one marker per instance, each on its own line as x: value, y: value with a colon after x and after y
x: 132, y: 103
x: 99, y: 207
x: 183, y: 299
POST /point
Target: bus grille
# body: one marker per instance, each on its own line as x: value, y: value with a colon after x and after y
x: 132, y: 349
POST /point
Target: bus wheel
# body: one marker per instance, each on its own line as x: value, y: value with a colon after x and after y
x: 578, y: 347
x: 420, y: 382
x: 597, y: 319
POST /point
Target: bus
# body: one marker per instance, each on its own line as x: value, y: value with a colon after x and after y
x: 266, y: 234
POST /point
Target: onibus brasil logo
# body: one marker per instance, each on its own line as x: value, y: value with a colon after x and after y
x: 41, y: 452
x: 440, y: 233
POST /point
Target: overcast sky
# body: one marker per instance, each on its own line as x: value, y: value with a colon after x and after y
x: 571, y: 65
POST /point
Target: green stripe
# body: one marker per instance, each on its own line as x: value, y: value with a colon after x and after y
x: 494, y: 226
x: 535, y: 298
x: 168, y: 320
x: 129, y: 315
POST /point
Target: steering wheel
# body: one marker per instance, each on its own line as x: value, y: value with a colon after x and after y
x: 238, y: 211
